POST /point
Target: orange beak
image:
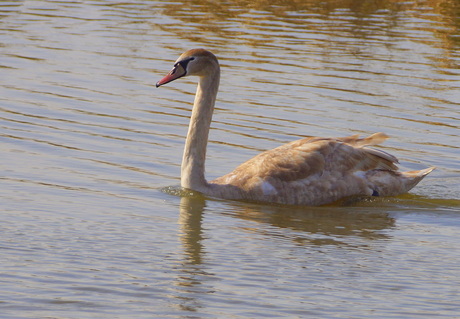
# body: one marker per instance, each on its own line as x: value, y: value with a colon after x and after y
x: 177, y: 72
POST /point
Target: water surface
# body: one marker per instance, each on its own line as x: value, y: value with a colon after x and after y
x: 88, y: 144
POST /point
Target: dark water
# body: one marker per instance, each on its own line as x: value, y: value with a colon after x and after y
x: 87, y: 144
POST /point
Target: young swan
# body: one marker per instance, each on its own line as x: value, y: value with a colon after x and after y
x: 309, y: 171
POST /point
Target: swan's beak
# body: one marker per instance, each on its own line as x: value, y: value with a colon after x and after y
x: 177, y: 72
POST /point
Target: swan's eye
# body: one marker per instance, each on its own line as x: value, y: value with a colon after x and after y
x: 185, y: 62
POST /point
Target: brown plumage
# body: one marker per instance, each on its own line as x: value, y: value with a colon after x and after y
x: 310, y: 171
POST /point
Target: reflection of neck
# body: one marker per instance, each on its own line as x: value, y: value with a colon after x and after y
x: 190, y: 217
x: 193, y: 161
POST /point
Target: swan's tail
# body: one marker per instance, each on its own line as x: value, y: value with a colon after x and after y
x: 391, y: 183
x: 412, y: 178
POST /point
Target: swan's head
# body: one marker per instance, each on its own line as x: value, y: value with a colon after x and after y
x: 192, y: 62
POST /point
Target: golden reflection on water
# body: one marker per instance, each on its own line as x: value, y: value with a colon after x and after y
x: 354, y: 16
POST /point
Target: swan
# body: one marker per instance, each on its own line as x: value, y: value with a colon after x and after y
x: 311, y: 171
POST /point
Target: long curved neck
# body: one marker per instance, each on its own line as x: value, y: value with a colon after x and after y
x: 193, y: 161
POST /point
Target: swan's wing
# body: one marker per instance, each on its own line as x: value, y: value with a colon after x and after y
x: 317, y: 171
x: 310, y: 158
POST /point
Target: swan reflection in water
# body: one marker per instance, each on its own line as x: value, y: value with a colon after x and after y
x: 308, y: 227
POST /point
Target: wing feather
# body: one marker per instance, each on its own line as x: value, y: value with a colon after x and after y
x: 311, y: 157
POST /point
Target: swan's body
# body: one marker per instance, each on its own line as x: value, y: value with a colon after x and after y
x: 310, y: 171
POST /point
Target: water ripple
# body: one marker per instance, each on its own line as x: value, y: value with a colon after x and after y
x: 89, y: 147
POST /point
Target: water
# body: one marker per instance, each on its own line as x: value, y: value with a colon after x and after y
x: 88, y: 144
